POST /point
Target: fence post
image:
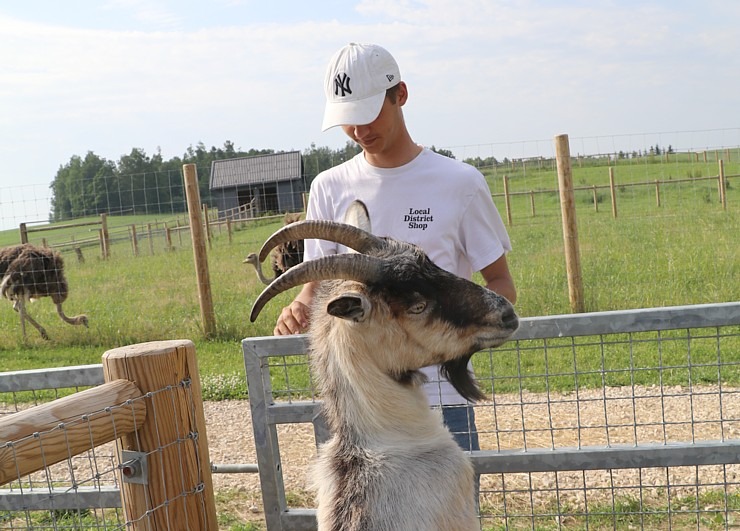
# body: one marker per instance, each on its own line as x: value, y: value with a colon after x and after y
x: 613, y: 192
x: 722, y: 185
x: 151, y: 239
x: 192, y: 194
x: 134, y: 240
x: 168, y: 237
x: 178, y: 493
x: 24, y: 233
x: 596, y: 198
x: 570, y: 226
x: 507, y: 197
x: 657, y: 193
x: 531, y: 201
x: 207, y: 226
x: 105, y: 237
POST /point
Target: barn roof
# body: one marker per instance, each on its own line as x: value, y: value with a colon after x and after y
x: 228, y: 173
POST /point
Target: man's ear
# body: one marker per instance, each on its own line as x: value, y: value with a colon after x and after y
x: 403, y: 94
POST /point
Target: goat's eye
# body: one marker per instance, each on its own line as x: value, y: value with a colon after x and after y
x: 418, y: 307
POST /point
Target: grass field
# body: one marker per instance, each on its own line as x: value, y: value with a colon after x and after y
x: 684, y: 252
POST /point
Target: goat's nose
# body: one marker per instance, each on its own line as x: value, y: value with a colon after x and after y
x: 509, y: 318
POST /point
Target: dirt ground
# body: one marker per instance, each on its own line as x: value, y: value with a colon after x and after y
x: 613, y: 416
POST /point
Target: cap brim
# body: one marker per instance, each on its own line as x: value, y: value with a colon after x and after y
x: 358, y: 112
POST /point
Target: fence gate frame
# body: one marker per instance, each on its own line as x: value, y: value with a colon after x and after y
x: 267, y: 414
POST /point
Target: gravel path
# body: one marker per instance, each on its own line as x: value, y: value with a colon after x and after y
x: 613, y: 416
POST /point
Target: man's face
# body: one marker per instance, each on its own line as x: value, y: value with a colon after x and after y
x: 379, y: 135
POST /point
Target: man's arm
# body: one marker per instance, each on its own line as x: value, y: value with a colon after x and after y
x: 498, y: 279
x: 294, y: 319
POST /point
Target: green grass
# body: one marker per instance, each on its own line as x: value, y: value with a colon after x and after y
x: 707, y: 511
x: 683, y: 252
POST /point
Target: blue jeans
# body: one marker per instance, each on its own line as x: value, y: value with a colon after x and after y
x: 460, y: 420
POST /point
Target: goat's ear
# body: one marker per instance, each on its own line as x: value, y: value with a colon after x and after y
x: 351, y: 306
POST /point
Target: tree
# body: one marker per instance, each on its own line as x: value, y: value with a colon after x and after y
x: 445, y: 152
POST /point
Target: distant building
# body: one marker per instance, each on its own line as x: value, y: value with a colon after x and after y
x: 267, y: 183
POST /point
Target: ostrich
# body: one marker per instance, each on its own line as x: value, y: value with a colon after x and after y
x: 283, y: 257
x: 29, y: 272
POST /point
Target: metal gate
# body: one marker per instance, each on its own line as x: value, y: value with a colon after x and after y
x: 624, y: 419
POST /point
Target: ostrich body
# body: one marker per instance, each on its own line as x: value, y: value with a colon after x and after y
x: 283, y: 257
x: 29, y: 272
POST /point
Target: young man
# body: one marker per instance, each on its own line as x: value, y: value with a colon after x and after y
x: 412, y: 194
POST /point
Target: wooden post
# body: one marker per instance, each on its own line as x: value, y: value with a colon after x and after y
x: 613, y: 192
x: 101, y: 242
x: 570, y: 226
x: 24, y: 233
x: 722, y: 185
x: 657, y: 193
x: 178, y: 493
x: 596, y: 198
x: 207, y: 226
x: 134, y: 240
x: 228, y: 228
x: 104, y: 235
x: 53, y: 432
x: 531, y: 201
x: 199, y: 250
x: 168, y: 238
x: 151, y: 240
x: 508, y: 199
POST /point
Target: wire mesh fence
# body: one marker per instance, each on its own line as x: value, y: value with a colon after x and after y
x: 111, y: 456
x: 614, y: 420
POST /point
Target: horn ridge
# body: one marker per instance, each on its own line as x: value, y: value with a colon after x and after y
x: 347, y: 235
x: 359, y: 267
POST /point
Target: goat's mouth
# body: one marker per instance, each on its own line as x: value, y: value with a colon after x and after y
x: 492, y: 341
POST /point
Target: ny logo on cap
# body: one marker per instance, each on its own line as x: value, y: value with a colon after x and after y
x: 341, y: 83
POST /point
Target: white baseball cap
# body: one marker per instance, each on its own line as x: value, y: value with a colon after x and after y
x: 355, y: 84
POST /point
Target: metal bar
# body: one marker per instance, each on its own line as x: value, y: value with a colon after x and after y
x: 626, y: 321
x: 299, y: 519
x: 606, y: 458
x: 221, y: 468
x: 55, y: 499
x: 51, y: 378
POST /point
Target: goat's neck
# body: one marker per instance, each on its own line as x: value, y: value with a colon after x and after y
x: 370, y: 405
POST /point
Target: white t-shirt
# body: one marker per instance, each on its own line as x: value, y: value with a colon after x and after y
x: 442, y: 205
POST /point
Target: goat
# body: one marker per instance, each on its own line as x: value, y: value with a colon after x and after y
x: 379, y: 315
x: 29, y: 272
x: 283, y: 257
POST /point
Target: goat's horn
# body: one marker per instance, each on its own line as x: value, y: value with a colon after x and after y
x: 359, y: 267
x: 332, y: 231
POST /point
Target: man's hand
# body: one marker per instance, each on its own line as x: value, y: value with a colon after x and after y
x: 293, y: 319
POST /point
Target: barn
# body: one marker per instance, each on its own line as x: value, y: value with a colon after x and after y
x: 268, y: 183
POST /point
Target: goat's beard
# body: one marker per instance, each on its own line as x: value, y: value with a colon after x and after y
x: 457, y: 373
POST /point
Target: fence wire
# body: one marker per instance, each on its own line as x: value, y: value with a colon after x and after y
x: 630, y: 426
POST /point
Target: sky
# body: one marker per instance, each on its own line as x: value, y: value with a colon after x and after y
x: 486, y: 77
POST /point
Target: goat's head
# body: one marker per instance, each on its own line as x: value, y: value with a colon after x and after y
x: 391, y: 298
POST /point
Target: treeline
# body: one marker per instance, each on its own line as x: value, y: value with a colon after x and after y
x: 142, y: 184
